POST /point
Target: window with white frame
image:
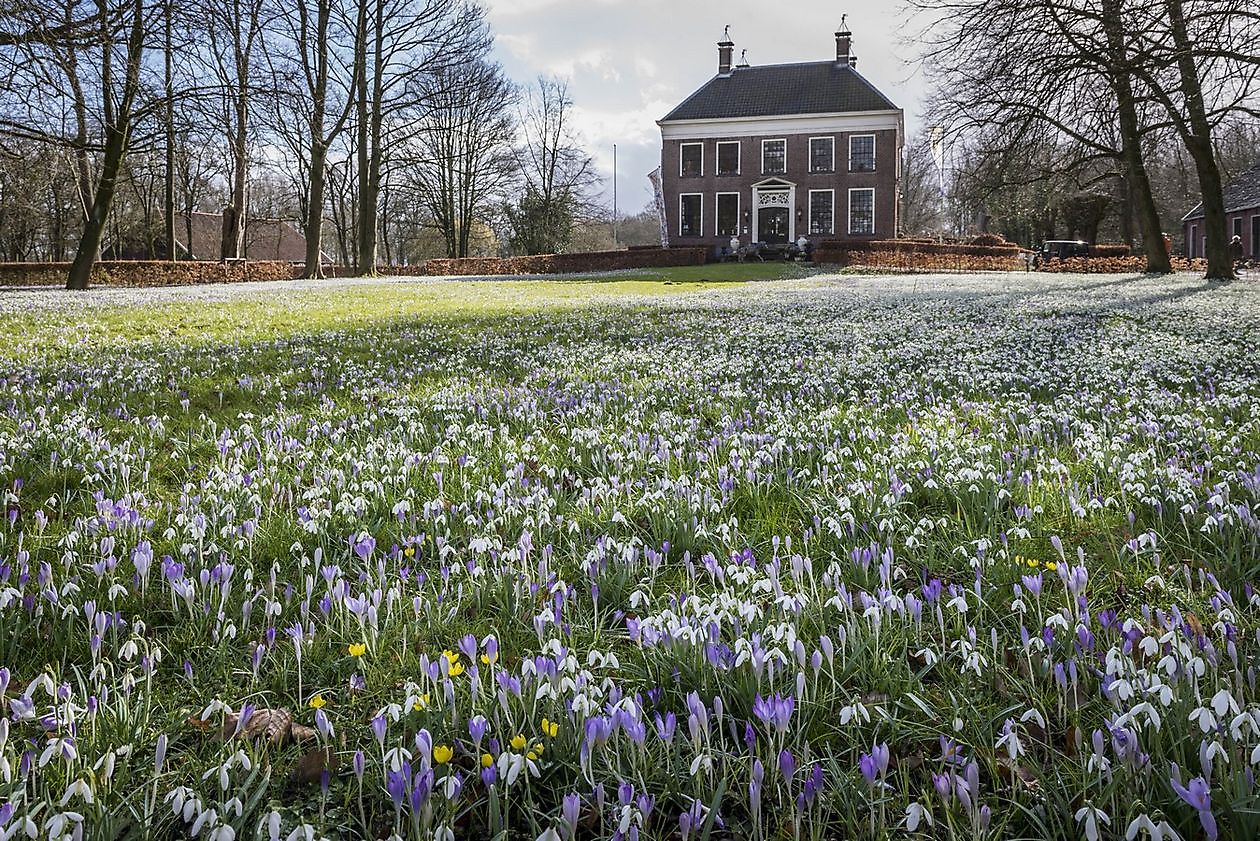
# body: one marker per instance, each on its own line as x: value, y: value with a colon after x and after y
x: 862, y: 153
x: 822, y: 212
x: 822, y: 154
x: 691, y: 164
x: 728, y: 157
x: 728, y: 214
x: 862, y: 212
x: 691, y: 215
x: 773, y: 157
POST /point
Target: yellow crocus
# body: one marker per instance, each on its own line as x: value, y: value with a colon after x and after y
x: 456, y: 669
x: 550, y: 728
x: 518, y: 742
x: 318, y: 702
x: 442, y: 754
x: 486, y: 760
x: 358, y: 649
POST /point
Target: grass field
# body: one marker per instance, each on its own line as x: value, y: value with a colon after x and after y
x: 724, y: 553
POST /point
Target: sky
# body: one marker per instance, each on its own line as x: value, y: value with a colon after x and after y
x: 629, y: 62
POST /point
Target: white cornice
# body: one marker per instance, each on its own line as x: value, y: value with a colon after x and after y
x: 788, y: 124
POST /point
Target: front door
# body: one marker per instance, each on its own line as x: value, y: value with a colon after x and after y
x: 772, y: 224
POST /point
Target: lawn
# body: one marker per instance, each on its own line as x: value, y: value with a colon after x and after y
x: 723, y: 553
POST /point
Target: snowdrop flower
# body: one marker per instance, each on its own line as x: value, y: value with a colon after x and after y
x: 1091, y: 817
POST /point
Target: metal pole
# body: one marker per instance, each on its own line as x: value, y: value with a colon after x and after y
x: 614, y: 219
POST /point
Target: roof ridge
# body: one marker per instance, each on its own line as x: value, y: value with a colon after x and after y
x: 780, y: 90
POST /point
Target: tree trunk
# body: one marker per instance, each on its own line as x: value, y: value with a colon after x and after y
x: 168, y: 196
x: 1139, y: 182
x: 315, y: 213
x: 103, y: 200
x: 1197, y: 136
x: 234, y: 242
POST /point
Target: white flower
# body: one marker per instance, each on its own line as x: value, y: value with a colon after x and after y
x: 917, y: 813
x: 78, y: 788
x: 1158, y: 832
x: 1091, y: 816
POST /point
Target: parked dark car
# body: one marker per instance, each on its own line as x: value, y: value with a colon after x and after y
x: 1062, y: 249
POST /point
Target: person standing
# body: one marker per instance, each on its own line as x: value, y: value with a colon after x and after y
x: 1237, y: 254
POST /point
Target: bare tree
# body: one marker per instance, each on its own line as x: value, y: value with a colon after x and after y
x: 234, y: 35
x: 399, y: 45
x: 316, y: 85
x: 1037, y: 66
x: 556, y: 171
x: 461, y: 158
x: 1197, y: 60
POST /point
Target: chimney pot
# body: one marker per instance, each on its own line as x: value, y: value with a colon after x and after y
x: 726, y: 54
x: 844, y: 47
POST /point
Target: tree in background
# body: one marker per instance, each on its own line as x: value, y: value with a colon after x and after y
x: 460, y: 157
x: 556, y: 172
x: 234, y: 37
x: 1037, y: 68
x: 400, y: 47
x: 314, y: 77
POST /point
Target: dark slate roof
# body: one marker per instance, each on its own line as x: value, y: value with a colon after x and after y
x: 1243, y: 193
x: 822, y: 87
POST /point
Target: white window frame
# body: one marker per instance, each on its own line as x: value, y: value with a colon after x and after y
x: 681, y: 156
x: 874, y: 227
x: 874, y: 151
x: 782, y: 140
x: 739, y: 157
x: 810, y: 229
x: 717, y: 213
x: 700, y: 222
x: 832, y: 140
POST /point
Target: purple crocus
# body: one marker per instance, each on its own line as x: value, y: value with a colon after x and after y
x: 397, y: 783
x: 874, y: 765
x: 1198, y: 795
x: 775, y: 711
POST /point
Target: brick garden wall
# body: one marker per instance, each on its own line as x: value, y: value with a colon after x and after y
x: 546, y: 264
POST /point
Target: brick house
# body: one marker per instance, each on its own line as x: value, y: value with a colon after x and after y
x: 773, y: 153
x: 1242, y: 217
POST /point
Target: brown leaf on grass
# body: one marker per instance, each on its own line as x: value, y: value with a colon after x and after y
x: 276, y: 727
x: 311, y: 766
x: 1196, y: 627
x: 1013, y: 773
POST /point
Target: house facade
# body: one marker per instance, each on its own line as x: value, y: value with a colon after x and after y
x: 1242, y: 217
x: 771, y: 154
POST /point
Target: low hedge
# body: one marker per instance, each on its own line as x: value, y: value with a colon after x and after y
x: 920, y: 256
x: 139, y: 273
x: 1115, y: 265
x: 901, y: 246
x: 545, y: 264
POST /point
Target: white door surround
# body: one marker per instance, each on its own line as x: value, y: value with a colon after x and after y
x: 774, y: 193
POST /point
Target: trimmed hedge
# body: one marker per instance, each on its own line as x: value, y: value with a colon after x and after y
x: 920, y: 256
x: 1110, y: 251
x: 138, y: 273
x: 545, y: 264
x: 1115, y: 265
